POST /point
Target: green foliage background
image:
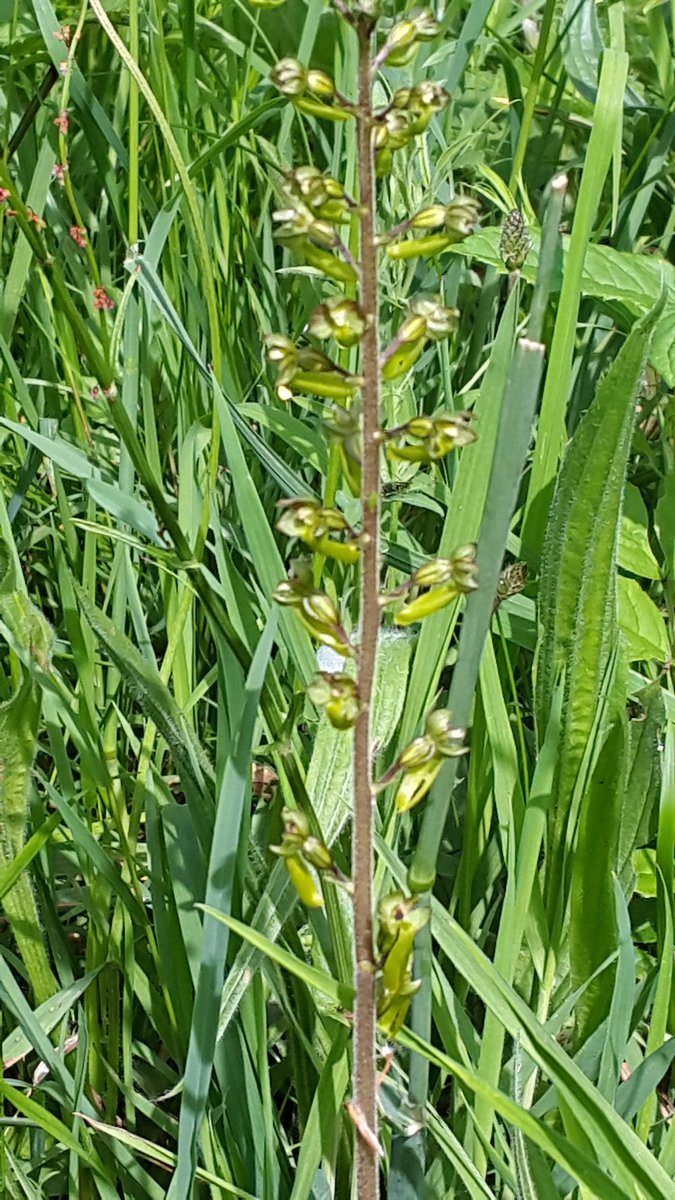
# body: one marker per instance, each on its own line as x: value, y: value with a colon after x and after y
x: 138, y: 526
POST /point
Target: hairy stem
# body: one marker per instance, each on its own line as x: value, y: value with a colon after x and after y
x: 365, y: 1081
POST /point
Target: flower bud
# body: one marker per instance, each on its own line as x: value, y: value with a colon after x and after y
x: 296, y: 824
x: 339, y: 318
x: 281, y: 351
x: 320, y: 84
x: 416, y: 783
x: 329, y: 264
x: 461, y: 217
x: 317, y: 854
x: 337, y: 694
x: 447, y: 738
x: 397, y: 129
x: 430, y: 95
x: 320, y: 617
x: 515, y: 242
x: 314, y: 524
x: 446, y: 577
x: 285, y: 594
x: 420, y: 103
x: 438, y: 570
x: 439, y: 321
x: 303, y: 881
x: 317, y: 612
x: 298, y: 518
x: 319, y: 607
x: 416, y: 754
x: 426, y: 25
x: 413, y: 328
x: 431, y: 437
x: 429, y: 218
x: 304, y: 369
x: 289, y: 76
x: 401, y: 44
x: 323, y: 195
x: 464, y: 569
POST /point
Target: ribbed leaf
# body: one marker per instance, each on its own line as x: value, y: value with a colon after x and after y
x: 593, y: 933
x: 577, y: 606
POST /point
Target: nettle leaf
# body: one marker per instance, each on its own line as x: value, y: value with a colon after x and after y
x: 642, y: 626
x: 635, y: 553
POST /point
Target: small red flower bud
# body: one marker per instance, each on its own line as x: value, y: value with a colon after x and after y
x: 102, y: 300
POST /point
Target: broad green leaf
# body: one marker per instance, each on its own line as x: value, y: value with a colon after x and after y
x: 635, y: 554
x: 577, y: 606
x: 643, y: 628
x: 593, y: 933
x: 632, y: 280
x: 643, y: 778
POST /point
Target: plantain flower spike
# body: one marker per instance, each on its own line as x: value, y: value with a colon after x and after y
x: 337, y: 694
x: 515, y: 242
x: 428, y: 439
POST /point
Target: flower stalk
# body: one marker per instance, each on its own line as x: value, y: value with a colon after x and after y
x: 365, y: 1013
